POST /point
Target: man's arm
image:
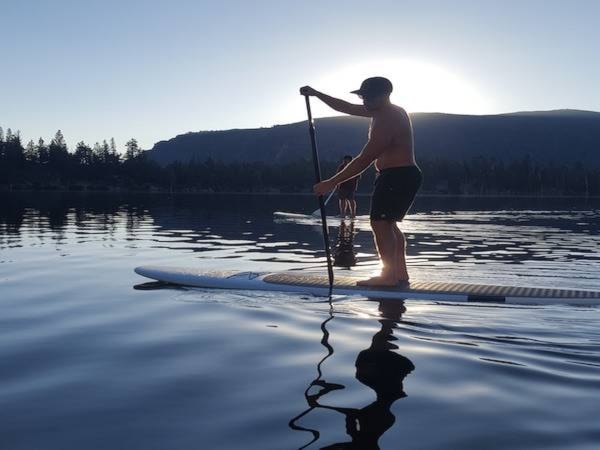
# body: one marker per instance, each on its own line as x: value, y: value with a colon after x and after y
x: 372, y: 150
x: 343, y: 106
x: 337, y: 104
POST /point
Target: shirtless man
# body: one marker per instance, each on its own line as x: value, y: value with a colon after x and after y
x: 390, y: 146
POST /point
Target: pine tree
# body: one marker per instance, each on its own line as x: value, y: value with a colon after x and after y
x: 42, y: 152
x: 84, y: 155
x: 31, y: 153
x: 132, y: 149
x: 105, y: 152
x: 97, y: 152
x: 11, y: 152
x: 113, y: 155
x: 59, y: 140
x: 1, y: 143
x: 57, y: 150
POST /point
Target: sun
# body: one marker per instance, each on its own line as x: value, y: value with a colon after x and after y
x: 418, y: 87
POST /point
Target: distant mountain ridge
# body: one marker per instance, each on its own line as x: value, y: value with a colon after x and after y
x: 557, y: 136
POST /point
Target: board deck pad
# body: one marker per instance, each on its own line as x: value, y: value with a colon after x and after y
x: 317, y: 284
x: 349, y: 282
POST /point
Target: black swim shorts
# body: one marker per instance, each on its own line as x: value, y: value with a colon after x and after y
x: 394, y: 192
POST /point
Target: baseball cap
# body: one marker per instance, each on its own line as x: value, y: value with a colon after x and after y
x: 374, y: 86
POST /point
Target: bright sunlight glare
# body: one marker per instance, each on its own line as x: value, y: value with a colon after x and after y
x: 418, y: 87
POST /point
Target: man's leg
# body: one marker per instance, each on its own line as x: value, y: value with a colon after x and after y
x: 385, y: 240
x: 353, y: 208
x: 400, y: 254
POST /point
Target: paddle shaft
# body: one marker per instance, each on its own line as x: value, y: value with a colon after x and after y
x: 315, y: 155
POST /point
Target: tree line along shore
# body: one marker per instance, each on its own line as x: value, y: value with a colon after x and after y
x: 102, y: 167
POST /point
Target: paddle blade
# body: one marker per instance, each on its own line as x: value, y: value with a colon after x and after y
x: 317, y: 212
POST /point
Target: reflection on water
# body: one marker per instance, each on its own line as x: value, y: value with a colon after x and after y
x: 344, y: 254
x: 89, y: 362
x: 377, y: 367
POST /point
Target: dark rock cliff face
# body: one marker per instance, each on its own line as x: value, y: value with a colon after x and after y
x: 546, y: 136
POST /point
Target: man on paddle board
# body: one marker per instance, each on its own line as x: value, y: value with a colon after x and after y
x: 390, y: 147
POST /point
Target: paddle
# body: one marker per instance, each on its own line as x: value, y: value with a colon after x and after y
x: 316, y: 212
x: 315, y: 155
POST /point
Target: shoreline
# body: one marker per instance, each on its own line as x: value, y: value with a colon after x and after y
x: 299, y: 194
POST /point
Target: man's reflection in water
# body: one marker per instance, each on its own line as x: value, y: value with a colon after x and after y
x: 377, y: 367
x: 343, y: 253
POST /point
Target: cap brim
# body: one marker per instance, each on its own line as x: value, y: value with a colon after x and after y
x: 357, y: 92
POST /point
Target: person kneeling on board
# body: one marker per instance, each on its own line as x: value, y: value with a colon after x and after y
x: 346, y: 190
x: 390, y: 147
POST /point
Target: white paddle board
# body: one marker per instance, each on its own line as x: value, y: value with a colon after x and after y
x: 317, y: 284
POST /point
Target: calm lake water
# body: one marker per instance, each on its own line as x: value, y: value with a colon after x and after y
x: 89, y: 361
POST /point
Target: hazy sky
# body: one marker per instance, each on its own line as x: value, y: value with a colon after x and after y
x: 154, y: 69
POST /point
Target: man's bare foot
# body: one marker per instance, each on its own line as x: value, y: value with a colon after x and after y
x: 378, y: 281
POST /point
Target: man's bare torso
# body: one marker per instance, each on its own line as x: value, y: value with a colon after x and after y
x: 395, y: 125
